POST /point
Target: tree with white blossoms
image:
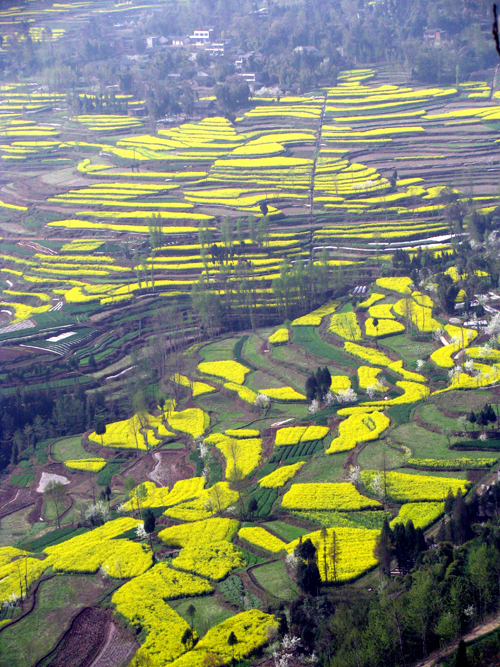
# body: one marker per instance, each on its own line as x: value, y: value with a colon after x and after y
x: 437, y: 334
x: 314, y: 407
x: 377, y: 486
x: 97, y: 513
x: 292, y: 561
x: 287, y: 651
x: 371, y: 391
x: 354, y: 475
x: 475, y: 245
x: 12, y: 601
x: 470, y: 366
x: 420, y: 364
x: 329, y: 398
x: 486, y: 350
x: 262, y: 401
x: 140, y: 531
x: 455, y: 371
x: 347, y: 395
x: 493, y: 329
x: 462, y: 422
x: 202, y: 447
x: 122, y: 509
x: 290, y: 653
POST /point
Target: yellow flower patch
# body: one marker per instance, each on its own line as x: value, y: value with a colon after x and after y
x: 281, y: 476
x: 355, y: 547
x: 340, y: 382
x: 292, y: 435
x: 183, y: 490
x: 413, y: 392
x: 141, y: 602
x: 13, y: 572
x: 373, y: 298
x: 96, y: 549
x: 242, y: 455
x: 422, y: 514
x: 192, y: 421
x: 90, y: 465
x: 486, y: 353
x: 229, y: 370
x: 213, y: 560
x: 314, y: 318
x: 283, y: 394
x: 403, y: 487
x: 198, y: 388
x: 420, y: 314
x: 210, y: 502
x: 346, y: 326
x: 210, y: 530
x: 367, y: 376
x: 383, y: 328
x: 358, y: 428
x: 279, y: 337
x: 134, y: 433
x: 461, y: 338
x: 382, y: 312
x: 326, y: 496
x: 367, y: 354
x: 251, y: 628
x: 261, y: 538
x: 245, y: 393
x: 401, y: 285
x: 23, y: 312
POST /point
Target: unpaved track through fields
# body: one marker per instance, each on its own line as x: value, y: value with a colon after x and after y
x: 479, y: 631
x: 118, y: 648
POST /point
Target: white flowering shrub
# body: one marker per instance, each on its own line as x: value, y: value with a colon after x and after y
x: 347, y: 396
x: 99, y: 511
x: 140, y: 531
x: 469, y: 365
x: 314, y: 407
x: 262, y: 400
x: 376, y: 485
x: 330, y: 398
x: 354, y: 475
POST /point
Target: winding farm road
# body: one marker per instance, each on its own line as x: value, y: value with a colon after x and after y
x: 479, y: 631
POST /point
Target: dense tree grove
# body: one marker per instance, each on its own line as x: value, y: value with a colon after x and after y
x: 441, y: 591
x: 30, y: 416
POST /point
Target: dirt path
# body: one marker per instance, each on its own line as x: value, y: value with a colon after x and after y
x: 162, y: 474
x: 170, y: 467
x: 20, y: 500
x: 479, y: 631
x: 117, y: 649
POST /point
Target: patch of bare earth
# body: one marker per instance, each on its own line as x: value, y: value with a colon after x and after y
x: 170, y: 467
x: 118, y: 648
x: 84, y: 638
x: 15, y: 500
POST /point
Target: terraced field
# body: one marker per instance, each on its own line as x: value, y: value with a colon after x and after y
x: 113, y: 236
x: 386, y: 438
